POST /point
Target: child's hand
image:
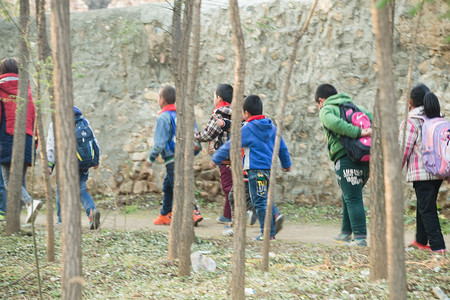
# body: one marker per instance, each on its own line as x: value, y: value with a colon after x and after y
x: 366, y: 132
x: 286, y: 169
x: 148, y: 163
x: 219, y: 122
x: 212, y: 164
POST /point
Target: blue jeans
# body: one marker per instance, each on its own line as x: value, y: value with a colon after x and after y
x: 168, y: 189
x: 2, y: 195
x: 25, y: 197
x: 258, y: 182
x: 85, y: 198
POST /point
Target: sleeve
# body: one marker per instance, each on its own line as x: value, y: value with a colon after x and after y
x: 163, y: 134
x: 284, y: 155
x: 222, y: 153
x: 410, y: 140
x: 337, y: 125
x: 51, y: 146
x: 211, y: 131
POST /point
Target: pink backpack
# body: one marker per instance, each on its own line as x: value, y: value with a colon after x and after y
x: 436, y: 146
x: 358, y: 150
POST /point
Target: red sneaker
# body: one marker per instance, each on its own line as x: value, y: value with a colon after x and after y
x: 414, y: 244
x: 163, y: 220
x: 197, y: 217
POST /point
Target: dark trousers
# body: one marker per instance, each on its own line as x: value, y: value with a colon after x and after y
x: 428, y: 228
x: 227, y: 182
x: 168, y: 189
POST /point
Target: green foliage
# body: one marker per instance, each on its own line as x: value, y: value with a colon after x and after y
x: 131, y: 209
x: 381, y: 3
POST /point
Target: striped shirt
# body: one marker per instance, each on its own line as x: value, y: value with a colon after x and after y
x: 412, y: 153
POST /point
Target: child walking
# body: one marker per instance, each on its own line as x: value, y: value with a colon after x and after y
x: 257, y: 139
x: 165, y: 137
x: 216, y: 136
x: 422, y: 103
x: 86, y: 200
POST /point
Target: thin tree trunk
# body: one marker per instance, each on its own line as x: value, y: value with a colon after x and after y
x: 187, y: 234
x: 14, y: 189
x: 276, y: 150
x: 378, y: 252
x: 43, y: 50
x: 391, y: 153
x: 178, y: 190
x: 67, y: 167
x: 238, y: 269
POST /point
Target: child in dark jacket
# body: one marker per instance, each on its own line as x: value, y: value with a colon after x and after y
x: 258, y: 140
x: 165, y: 137
x: 86, y: 200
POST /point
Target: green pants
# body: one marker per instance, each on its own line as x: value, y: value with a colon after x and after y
x: 351, y: 178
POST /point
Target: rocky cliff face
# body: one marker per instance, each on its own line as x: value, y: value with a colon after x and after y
x: 121, y: 57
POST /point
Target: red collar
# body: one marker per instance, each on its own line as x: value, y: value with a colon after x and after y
x: 257, y: 117
x: 168, y: 107
x: 221, y: 104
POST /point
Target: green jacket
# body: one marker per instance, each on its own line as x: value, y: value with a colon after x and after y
x: 330, y: 117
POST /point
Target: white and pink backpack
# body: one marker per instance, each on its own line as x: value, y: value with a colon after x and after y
x: 436, y: 146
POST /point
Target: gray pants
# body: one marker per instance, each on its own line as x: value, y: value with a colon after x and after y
x: 25, y: 197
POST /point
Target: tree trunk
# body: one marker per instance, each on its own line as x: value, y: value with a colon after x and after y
x: 43, y: 49
x: 178, y: 189
x: 187, y: 229
x: 238, y: 269
x: 276, y: 150
x: 378, y: 254
x: 391, y: 154
x: 14, y: 188
x: 67, y: 168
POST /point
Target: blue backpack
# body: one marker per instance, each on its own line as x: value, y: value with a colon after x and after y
x: 87, y: 149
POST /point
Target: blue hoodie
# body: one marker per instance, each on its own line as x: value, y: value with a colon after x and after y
x: 258, y: 140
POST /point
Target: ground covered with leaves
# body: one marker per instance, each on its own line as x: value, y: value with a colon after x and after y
x: 133, y: 264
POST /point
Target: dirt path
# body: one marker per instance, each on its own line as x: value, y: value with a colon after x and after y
x: 305, y: 233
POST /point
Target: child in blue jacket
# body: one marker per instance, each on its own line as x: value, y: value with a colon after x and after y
x: 258, y: 140
x: 165, y: 137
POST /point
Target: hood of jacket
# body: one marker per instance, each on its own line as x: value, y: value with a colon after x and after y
x: 9, y: 83
x: 77, y: 112
x: 337, y: 99
x: 261, y: 128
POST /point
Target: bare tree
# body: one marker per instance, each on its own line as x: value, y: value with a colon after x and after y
x: 69, y: 189
x: 44, y: 52
x: 238, y: 269
x: 392, y: 161
x: 17, y: 161
x: 276, y: 150
x: 178, y: 197
x: 187, y: 229
x: 97, y: 4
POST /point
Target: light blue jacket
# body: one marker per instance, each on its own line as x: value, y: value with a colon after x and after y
x: 164, y: 136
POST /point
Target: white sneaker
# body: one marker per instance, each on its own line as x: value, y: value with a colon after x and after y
x: 33, y: 208
x: 228, y: 231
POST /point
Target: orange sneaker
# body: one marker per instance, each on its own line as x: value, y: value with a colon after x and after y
x: 163, y: 220
x: 197, y: 217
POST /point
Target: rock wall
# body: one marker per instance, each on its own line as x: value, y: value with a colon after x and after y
x: 121, y: 57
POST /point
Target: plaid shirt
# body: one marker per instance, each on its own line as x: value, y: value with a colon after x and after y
x: 212, y: 130
x: 412, y: 154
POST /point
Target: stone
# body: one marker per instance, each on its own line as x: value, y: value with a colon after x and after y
x: 139, y: 156
x: 152, y: 188
x: 220, y: 57
x: 140, y: 187
x: 152, y: 96
x: 312, y: 109
x: 126, y: 188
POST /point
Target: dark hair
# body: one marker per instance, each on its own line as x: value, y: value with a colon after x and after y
x: 168, y: 93
x: 9, y: 65
x: 325, y: 90
x: 417, y: 94
x: 431, y: 105
x: 253, y: 105
x: 225, y: 91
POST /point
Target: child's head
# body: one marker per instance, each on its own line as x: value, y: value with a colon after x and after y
x: 224, y: 92
x: 324, y: 91
x: 253, y: 106
x: 431, y: 105
x: 9, y: 65
x: 417, y: 94
x: 166, y: 96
